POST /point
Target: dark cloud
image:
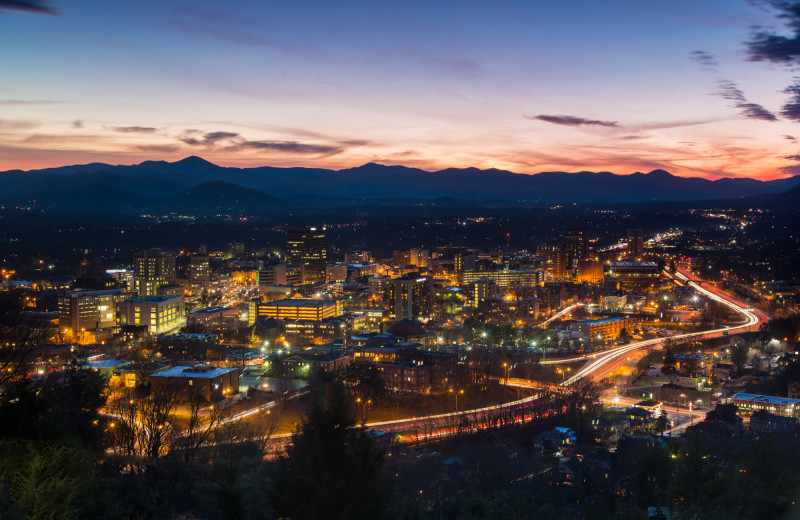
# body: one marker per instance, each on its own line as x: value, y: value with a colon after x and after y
x: 766, y: 45
x: 133, y: 129
x: 792, y: 157
x: 292, y: 147
x: 790, y: 138
x: 571, y: 120
x: 77, y: 124
x: 706, y: 60
x: 232, y: 142
x: 209, y: 139
x: 728, y: 90
x: 791, y: 110
x: 29, y: 6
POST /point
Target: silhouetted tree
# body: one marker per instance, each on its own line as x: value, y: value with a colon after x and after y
x: 332, y: 469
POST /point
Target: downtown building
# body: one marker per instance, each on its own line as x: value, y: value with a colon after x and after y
x: 411, y: 296
x: 91, y: 310
x: 306, y: 246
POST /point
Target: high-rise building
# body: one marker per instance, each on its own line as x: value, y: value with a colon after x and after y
x: 307, y: 247
x: 635, y: 244
x: 199, y: 274
x: 479, y: 290
x: 577, y: 245
x: 152, y: 269
x: 411, y: 296
x: 561, y: 266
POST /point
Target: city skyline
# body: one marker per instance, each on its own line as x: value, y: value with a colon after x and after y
x: 620, y: 87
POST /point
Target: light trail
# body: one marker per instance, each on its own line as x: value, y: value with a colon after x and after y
x: 599, y: 361
x: 559, y: 314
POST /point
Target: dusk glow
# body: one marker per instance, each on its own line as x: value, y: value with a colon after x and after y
x: 619, y: 86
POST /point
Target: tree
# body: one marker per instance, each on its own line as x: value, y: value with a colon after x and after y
x: 16, y: 341
x: 670, y: 364
x: 739, y: 357
x: 331, y: 470
x: 662, y: 422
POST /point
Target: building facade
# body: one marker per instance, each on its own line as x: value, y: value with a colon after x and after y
x: 307, y: 247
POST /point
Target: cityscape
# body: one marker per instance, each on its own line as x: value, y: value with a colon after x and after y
x: 209, y: 310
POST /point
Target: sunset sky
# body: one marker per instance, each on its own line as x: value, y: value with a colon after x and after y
x: 528, y: 85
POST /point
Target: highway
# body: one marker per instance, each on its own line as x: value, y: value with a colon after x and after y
x: 605, y: 363
x: 559, y: 315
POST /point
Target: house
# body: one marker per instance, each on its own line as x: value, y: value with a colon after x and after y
x: 135, y: 374
x: 565, y: 472
x: 553, y: 440
x: 211, y: 383
x: 313, y: 361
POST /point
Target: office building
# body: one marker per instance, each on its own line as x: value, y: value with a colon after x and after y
x: 152, y: 269
x: 635, y: 244
x: 214, y: 319
x: 296, y: 309
x: 633, y: 276
x: 90, y: 310
x: 508, y: 277
x: 479, y: 290
x: 577, y: 245
x: 411, y: 296
x: 199, y: 274
x: 606, y: 328
x: 750, y: 403
x: 272, y: 275
x: 158, y: 313
x: 307, y: 247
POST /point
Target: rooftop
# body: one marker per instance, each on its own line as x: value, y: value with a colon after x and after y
x: 203, y: 371
x: 771, y: 399
x: 601, y: 321
x: 633, y: 264
x: 152, y: 299
x: 301, y: 302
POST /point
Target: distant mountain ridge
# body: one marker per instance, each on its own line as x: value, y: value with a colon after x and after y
x: 196, y: 185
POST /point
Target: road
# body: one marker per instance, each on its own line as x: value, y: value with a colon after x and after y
x: 602, y: 364
x: 680, y: 418
x: 559, y: 315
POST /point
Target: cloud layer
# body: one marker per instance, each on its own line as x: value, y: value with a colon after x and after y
x: 572, y: 121
x: 30, y: 6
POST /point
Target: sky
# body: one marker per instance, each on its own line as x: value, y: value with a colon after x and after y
x: 527, y: 86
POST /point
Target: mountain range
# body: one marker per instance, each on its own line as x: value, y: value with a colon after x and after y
x: 194, y: 185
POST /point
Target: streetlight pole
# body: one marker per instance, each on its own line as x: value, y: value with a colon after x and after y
x: 506, y: 367
x: 364, y: 403
x: 456, y: 392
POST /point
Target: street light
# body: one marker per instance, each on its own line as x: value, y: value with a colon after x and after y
x: 364, y: 404
x: 456, y: 392
x: 506, y: 367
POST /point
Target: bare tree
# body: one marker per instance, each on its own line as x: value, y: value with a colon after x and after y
x: 143, y: 426
x: 17, y: 341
